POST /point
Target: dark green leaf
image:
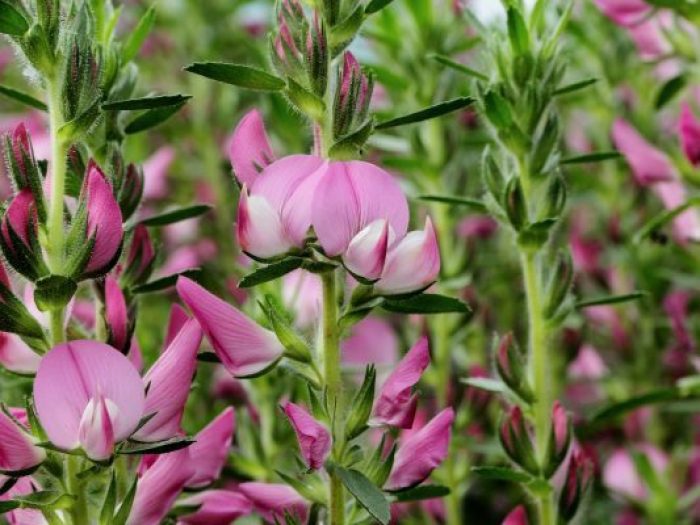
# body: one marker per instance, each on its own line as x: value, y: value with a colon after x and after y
x: 180, y: 214
x: 165, y: 282
x: 151, y: 118
x: 22, y: 97
x: 592, y: 157
x: 376, y: 5
x: 669, y: 90
x: 237, y: 75
x: 110, y: 501
x: 611, y: 299
x: 365, y: 492
x: 133, y: 104
x: 445, y: 61
x: 575, y: 86
x: 457, y: 201
x: 485, y: 383
x: 125, y: 508
x: 426, y: 304
x: 437, y: 110
x: 660, y: 395
x: 422, y: 492
x: 517, y: 32
x: 137, y: 36
x: 271, y: 272
x: 502, y: 473
x: 159, y: 447
x: 12, y: 21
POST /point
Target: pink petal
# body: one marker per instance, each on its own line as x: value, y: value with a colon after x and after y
x: 689, y: 130
x: 168, y: 384
x: 210, y: 450
x: 371, y: 341
x: 71, y: 374
x: 367, y: 250
x: 116, y: 315
x: 314, y: 439
x: 178, y: 318
x: 624, y: 12
x: 17, y: 447
x: 518, y: 516
x: 587, y: 365
x: 259, y: 229
x: 96, y: 433
x: 155, y: 171
x: 394, y: 405
x: 301, y: 292
x: 412, y: 264
x: 648, y: 164
x: 18, y: 215
x: 686, y: 226
x: 244, y: 347
x: 249, y: 149
x: 218, y: 507
x: 271, y: 500
x: 16, y: 356
x: 24, y: 486
x: 422, y: 452
x: 104, y: 221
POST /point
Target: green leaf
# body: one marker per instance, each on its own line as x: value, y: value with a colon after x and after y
x: 660, y: 395
x: 517, y: 32
x: 456, y: 201
x: 422, y: 492
x: 611, y: 299
x: 23, y: 98
x: 502, y: 473
x: 448, y: 62
x: 110, y: 501
x: 437, y: 110
x: 12, y: 21
x: 138, y: 35
x: 44, y: 499
x: 599, y: 156
x: 159, y: 447
x: 376, y: 5
x: 426, y: 304
x: 669, y: 90
x: 177, y: 215
x: 238, y: 75
x: 664, y: 218
x: 151, y: 118
x: 134, y: 104
x: 348, y: 146
x: 165, y: 282
x: 365, y: 492
x: 306, y: 101
x: 575, y: 86
x: 485, y: 383
x: 125, y: 508
x: 271, y: 272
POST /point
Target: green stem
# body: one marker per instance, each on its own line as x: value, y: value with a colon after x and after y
x: 78, y: 512
x: 334, y: 388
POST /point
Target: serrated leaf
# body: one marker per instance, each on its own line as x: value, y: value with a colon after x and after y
x: 134, y: 104
x: 426, y: 304
x: 177, y: 215
x: 611, y: 299
x: 23, y: 98
x: 456, y: 201
x: 237, y: 75
x: 448, y: 62
x: 165, y: 282
x: 159, y: 447
x: 137, y: 36
x: 152, y: 118
x: 434, y: 111
x: 619, y: 408
x: 592, y: 157
x: 271, y: 272
x: 422, y: 492
x: 12, y: 21
x: 365, y: 492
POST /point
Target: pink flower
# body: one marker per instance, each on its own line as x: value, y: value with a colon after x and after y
x: 272, y: 500
x: 88, y: 394
x: 649, y: 165
x: 412, y: 264
x: 419, y: 454
x: 16, y: 356
x: 367, y: 251
x: 155, y: 171
x: 689, y: 130
x: 177, y: 319
x: 18, y: 451
x: 518, y: 516
x: 168, y: 384
x: 216, y: 507
x: 624, y: 12
x: 210, y: 450
x: 116, y: 315
x: 244, y: 347
x: 314, y: 439
x: 371, y: 341
x: 249, y: 148
x: 23, y: 487
x: 159, y: 486
x: 587, y: 365
x: 620, y: 474
x: 396, y: 404
x: 301, y: 292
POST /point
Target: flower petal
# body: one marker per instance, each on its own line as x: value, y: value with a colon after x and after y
x: 259, y: 228
x: 210, y: 450
x: 17, y: 449
x: 314, y: 439
x: 367, y: 250
x: 249, y: 149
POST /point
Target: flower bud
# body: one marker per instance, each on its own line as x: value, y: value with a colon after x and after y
x: 352, y: 96
x: 559, y: 439
x: 18, y: 451
x: 286, y: 56
x: 515, y: 440
x: 80, y: 88
x: 140, y: 259
x: 23, y: 166
x: 366, y: 253
x: 314, y: 439
x: 117, y: 316
x: 515, y: 205
x: 49, y: 16
x: 690, y: 135
x: 555, y: 199
x: 130, y: 191
x: 19, y: 236
x: 518, y: 516
x: 491, y: 175
x: 317, y: 56
x: 559, y: 285
x: 510, y: 364
x: 579, y: 477
x: 361, y: 405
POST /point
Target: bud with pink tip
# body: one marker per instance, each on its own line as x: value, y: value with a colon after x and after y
x: 23, y: 166
x: 412, y: 264
x: 116, y: 316
x: 19, y: 236
x: 516, y: 441
x: 352, y: 96
x: 140, y: 259
x: 518, y: 516
x: 19, y: 454
x: 422, y: 452
x: 130, y: 191
x: 689, y: 127
x: 396, y: 404
x: 316, y: 56
x: 510, y: 364
x: 559, y: 439
x: 579, y: 478
x: 314, y: 438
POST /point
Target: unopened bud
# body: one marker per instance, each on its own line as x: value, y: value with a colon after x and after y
x: 140, y: 259
x: 515, y: 440
x: 510, y: 364
x: 555, y: 199
x: 559, y: 285
x: 491, y: 175
x: 559, y: 439
x: 543, y: 156
x: 49, y: 16
x: 23, y: 166
x: 361, y: 406
x: 352, y: 96
x: 579, y: 477
x: 317, y: 56
x: 131, y: 191
x: 19, y: 236
x: 515, y: 205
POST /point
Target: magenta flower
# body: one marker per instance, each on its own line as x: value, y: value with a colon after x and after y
x: 216, y: 507
x: 421, y: 452
x: 116, y: 315
x: 16, y: 356
x: 518, y: 516
x: 244, y: 347
x: 249, y: 148
x: 88, y: 395
x: 412, y: 264
x: 396, y: 404
x: 689, y: 130
x: 20, y: 156
x: 649, y: 165
x: 314, y: 438
x: 272, y: 500
x: 210, y: 450
x: 620, y: 474
x: 104, y: 222
x: 159, y: 486
x: 18, y: 451
x: 177, y: 319
x: 168, y: 384
x: 587, y: 365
